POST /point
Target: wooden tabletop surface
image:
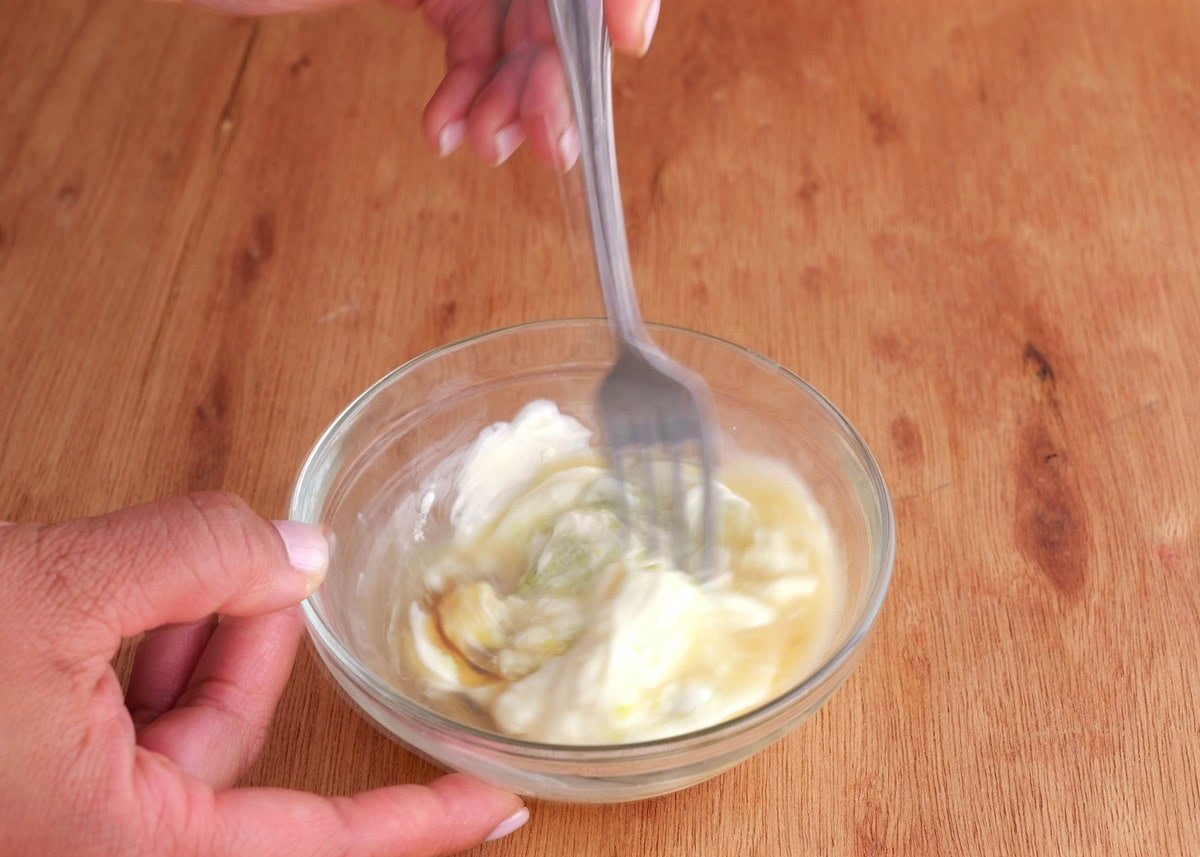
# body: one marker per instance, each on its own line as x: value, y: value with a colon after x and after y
x: 974, y: 224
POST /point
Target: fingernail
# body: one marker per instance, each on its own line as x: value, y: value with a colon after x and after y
x: 307, y: 549
x: 507, y: 140
x: 451, y: 137
x: 568, y: 148
x: 509, y: 824
x: 649, y: 25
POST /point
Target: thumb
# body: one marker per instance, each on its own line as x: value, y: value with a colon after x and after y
x: 178, y: 560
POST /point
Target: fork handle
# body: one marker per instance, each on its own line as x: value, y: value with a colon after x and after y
x: 586, y: 52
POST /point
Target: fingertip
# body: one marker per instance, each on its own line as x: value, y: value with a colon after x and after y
x: 556, y: 149
x: 494, y: 123
x: 567, y: 148
x: 307, y: 550
x: 436, y: 124
x: 451, y: 137
x: 546, y: 113
x: 649, y: 25
x: 505, y: 142
x: 631, y: 24
x: 465, y: 795
x: 514, y: 822
x: 445, y: 119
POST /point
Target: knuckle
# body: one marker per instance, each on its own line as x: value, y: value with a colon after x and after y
x: 215, y: 518
x: 221, y: 532
x: 227, y: 698
x: 220, y: 504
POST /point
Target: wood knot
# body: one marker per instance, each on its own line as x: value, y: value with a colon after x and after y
x: 1050, y: 523
x: 1038, y: 363
x: 211, y: 436
x: 888, y: 348
x: 808, y: 190
x: 446, y: 314
x: 906, y: 440
x: 885, y: 127
x: 256, y: 252
x: 215, y: 404
x: 68, y: 194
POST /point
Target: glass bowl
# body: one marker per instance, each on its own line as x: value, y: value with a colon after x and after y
x: 381, y: 449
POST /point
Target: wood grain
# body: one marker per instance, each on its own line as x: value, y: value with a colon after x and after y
x: 973, y: 224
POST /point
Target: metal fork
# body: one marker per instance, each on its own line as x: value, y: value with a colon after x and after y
x: 649, y: 405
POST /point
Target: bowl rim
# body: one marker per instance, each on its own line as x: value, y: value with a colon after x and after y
x: 868, y: 613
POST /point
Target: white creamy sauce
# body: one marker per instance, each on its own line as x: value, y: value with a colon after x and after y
x: 542, y: 614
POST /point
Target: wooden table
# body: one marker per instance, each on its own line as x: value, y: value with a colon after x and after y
x: 974, y: 225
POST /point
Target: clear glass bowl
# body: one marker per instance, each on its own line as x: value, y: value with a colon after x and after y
x: 389, y: 440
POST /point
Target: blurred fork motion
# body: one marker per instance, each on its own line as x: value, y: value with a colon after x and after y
x: 651, y: 408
